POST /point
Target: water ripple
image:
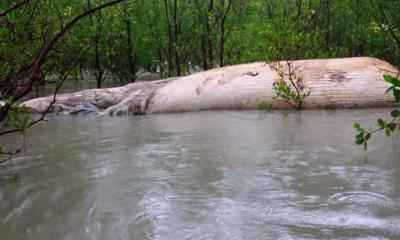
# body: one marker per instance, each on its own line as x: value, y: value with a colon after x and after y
x: 359, y: 197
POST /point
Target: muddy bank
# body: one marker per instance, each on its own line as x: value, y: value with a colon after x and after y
x: 333, y: 83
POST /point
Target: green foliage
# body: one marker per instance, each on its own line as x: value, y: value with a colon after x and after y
x: 285, y: 92
x: 395, y: 88
x: 16, y: 120
x: 386, y: 126
x: 289, y: 87
x: 254, y: 31
x: 264, y: 105
x: 362, y: 136
x: 16, y: 117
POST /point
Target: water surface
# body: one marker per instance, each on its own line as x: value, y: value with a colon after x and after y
x: 205, y: 175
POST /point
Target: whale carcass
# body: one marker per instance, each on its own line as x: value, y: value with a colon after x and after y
x: 333, y: 83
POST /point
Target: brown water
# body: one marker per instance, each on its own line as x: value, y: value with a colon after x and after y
x: 206, y: 175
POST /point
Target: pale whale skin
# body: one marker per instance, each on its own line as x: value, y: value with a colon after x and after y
x: 333, y: 83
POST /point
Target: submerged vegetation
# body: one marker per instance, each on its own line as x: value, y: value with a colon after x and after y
x: 264, y: 105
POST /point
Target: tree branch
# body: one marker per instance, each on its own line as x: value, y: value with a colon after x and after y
x: 32, y: 71
x: 59, y: 83
x: 14, y: 8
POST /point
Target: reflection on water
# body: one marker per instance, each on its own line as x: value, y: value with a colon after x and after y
x: 207, y: 175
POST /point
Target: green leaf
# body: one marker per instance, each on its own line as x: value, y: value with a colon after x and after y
x: 21, y: 108
x: 26, y: 121
x: 396, y: 93
x: 392, y: 80
x: 17, y: 126
x: 392, y: 126
x: 395, y: 113
x: 12, y: 116
x: 381, y: 123
x: 387, y: 132
x: 368, y: 136
x: 360, y: 141
x: 357, y: 126
x: 360, y: 135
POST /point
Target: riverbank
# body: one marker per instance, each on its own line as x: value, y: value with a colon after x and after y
x: 333, y: 83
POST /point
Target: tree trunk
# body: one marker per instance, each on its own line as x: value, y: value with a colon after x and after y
x: 204, y: 54
x: 99, y: 74
x: 176, y: 36
x: 81, y: 68
x: 209, y: 37
x: 161, y: 63
x: 224, y: 14
x: 222, y: 42
x: 170, y: 40
x: 131, y: 58
x: 99, y: 68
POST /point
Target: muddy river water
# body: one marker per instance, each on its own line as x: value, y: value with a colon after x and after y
x: 206, y: 175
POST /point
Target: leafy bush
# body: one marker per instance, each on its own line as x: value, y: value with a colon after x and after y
x: 289, y: 87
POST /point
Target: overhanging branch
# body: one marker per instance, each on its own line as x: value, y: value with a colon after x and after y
x: 32, y: 70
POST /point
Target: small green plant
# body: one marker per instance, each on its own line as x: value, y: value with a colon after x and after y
x: 16, y: 117
x: 289, y: 87
x: 387, y: 126
x: 264, y: 105
x: 16, y: 120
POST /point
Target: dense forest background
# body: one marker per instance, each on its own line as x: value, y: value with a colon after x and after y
x: 177, y: 37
